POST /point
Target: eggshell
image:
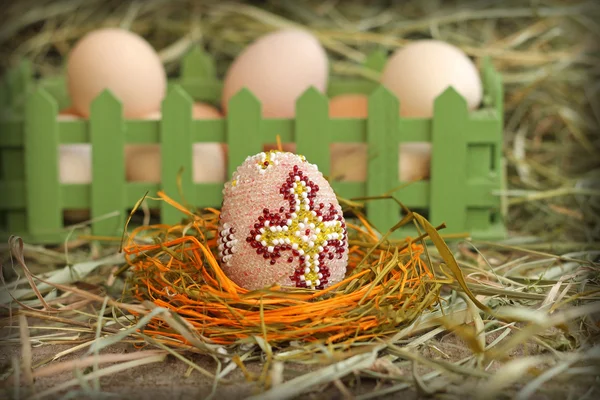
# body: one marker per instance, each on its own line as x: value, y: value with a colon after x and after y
x: 419, y: 72
x: 68, y: 114
x: 75, y: 167
x: 415, y: 160
x: 277, y: 69
x: 349, y: 106
x: 118, y: 60
x: 348, y: 160
x: 143, y: 162
x: 75, y: 163
x: 269, y: 233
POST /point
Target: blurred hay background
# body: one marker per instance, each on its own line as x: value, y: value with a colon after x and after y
x: 546, y: 287
x: 547, y: 52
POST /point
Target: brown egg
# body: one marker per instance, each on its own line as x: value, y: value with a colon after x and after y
x: 118, y: 60
x: 415, y: 159
x: 278, y: 68
x: 75, y: 167
x: 419, y: 72
x: 349, y: 106
x: 68, y: 114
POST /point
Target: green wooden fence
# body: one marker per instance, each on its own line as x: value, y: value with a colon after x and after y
x: 466, y: 166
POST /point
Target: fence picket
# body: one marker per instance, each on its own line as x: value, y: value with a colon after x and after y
x: 450, y: 127
x: 382, y: 131
x: 243, y: 129
x: 108, y: 164
x: 312, y: 134
x: 176, y: 152
x: 44, y: 203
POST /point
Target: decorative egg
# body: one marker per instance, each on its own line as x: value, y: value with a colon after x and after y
x: 278, y: 68
x: 281, y: 223
x: 419, y: 72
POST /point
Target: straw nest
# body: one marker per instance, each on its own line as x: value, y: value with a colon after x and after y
x: 386, y: 287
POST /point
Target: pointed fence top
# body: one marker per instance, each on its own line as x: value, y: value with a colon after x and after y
x: 198, y: 64
x: 244, y: 99
x: 450, y: 101
x: 177, y: 95
x: 312, y: 98
x: 106, y: 101
x: 40, y: 98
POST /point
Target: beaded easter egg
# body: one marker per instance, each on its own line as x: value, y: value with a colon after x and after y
x: 281, y: 223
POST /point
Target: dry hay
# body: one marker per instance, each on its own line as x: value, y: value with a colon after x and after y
x: 535, y: 331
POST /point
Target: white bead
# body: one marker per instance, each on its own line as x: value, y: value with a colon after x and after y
x: 311, y: 244
x: 270, y: 249
x: 320, y: 275
x: 307, y: 270
x: 302, y: 277
x: 316, y: 265
x: 321, y: 249
x: 263, y: 243
x: 308, y: 282
x: 311, y: 225
x: 317, y: 283
x: 295, y: 246
x: 301, y: 252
